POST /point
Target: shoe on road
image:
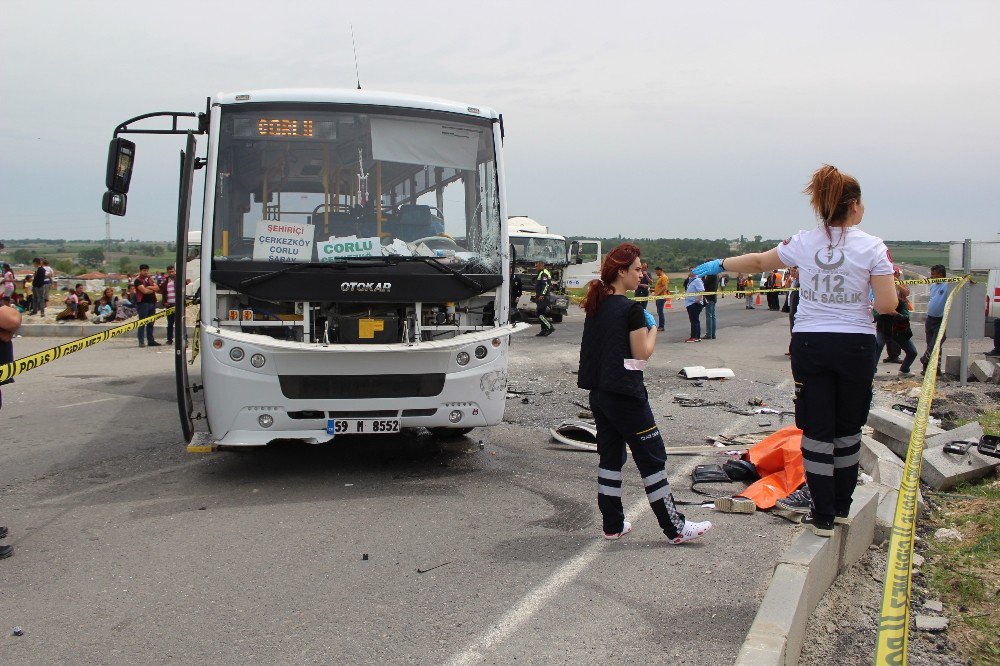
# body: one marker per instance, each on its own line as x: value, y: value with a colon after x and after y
x: 892, y: 360
x: 6, y: 551
x: 154, y: 343
x: 905, y: 373
x: 614, y: 536
x: 993, y: 352
x: 692, y: 531
x: 735, y: 505
x: 3, y: 532
x: 800, y: 501
x: 142, y: 344
x: 693, y: 340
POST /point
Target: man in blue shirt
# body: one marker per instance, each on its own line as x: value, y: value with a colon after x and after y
x: 935, y: 311
x: 694, y: 305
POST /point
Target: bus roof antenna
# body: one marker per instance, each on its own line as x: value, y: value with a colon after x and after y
x: 355, y: 45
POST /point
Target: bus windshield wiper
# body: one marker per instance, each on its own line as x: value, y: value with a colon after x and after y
x: 433, y: 261
x: 353, y: 262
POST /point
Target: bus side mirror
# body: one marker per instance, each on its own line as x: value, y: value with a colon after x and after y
x: 574, y: 252
x: 114, y: 203
x: 121, y: 155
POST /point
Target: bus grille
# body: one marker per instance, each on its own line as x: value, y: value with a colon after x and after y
x: 358, y: 387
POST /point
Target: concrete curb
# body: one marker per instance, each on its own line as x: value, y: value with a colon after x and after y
x: 803, y: 573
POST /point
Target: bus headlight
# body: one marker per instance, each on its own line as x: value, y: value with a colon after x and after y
x: 265, y: 420
x: 257, y: 360
x: 462, y: 358
x: 480, y: 352
x: 455, y: 416
x: 236, y: 353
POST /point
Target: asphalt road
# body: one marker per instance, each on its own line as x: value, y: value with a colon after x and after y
x: 396, y: 549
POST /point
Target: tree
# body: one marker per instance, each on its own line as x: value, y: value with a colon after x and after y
x: 22, y: 256
x: 92, y: 257
x: 125, y: 265
x: 63, y: 266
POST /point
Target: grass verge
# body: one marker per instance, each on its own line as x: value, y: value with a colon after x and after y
x: 965, y: 574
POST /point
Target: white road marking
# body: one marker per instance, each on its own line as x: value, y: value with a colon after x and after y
x: 534, y: 600
x: 121, y: 482
x: 89, y: 402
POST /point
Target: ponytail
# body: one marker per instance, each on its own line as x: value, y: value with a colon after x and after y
x: 831, y: 194
x: 618, y: 259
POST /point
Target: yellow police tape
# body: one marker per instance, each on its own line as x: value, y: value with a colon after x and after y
x: 33, y: 361
x: 894, y: 621
x: 742, y: 292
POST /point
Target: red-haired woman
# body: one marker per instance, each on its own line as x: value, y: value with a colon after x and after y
x: 618, y: 338
x: 833, y: 339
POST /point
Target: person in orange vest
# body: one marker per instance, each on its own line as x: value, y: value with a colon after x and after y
x: 662, y: 288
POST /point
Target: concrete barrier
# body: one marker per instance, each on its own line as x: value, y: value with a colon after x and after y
x: 803, y: 574
x: 941, y: 470
x: 894, y: 428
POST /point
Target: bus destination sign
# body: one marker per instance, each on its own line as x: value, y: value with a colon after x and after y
x: 284, y: 127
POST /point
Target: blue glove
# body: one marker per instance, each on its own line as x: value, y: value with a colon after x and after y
x: 713, y: 267
x: 650, y: 321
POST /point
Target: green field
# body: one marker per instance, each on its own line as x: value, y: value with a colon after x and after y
x: 673, y: 253
x: 919, y: 253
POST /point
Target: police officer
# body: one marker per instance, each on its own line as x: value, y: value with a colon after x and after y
x: 833, y: 338
x: 618, y: 338
x: 543, y: 284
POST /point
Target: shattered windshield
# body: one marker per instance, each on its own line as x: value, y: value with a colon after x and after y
x: 531, y: 249
x: 321, y: 186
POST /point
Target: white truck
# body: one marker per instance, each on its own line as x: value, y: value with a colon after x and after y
x: 572, y: 264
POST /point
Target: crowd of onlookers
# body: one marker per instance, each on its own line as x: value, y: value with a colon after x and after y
x: 31, y: 295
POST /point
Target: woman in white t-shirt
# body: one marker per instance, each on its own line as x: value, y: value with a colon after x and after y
x: 8, y: 281
x: 833, y: 339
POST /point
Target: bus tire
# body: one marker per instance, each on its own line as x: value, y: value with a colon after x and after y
x: 449, y: 433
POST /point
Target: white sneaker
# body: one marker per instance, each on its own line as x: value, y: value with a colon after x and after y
x: 626, y: 528
x: 692, y: 531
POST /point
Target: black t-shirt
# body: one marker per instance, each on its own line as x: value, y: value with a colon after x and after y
x: 711, y: 283
x: 636, y: 317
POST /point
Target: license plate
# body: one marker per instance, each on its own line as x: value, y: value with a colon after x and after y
x: 362, y: 426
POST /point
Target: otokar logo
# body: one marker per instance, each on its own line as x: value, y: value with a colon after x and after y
x: 377, y: 287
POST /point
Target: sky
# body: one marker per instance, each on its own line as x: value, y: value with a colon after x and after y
x: 645, y: 119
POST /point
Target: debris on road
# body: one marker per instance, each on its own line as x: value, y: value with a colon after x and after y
x: 436, y: 566
x: 701, y: 372
x: 576, y: 434
x: 18, y: 631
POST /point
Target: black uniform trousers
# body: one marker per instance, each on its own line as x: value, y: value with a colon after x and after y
x: 626, y: 420
x: 833, y: 375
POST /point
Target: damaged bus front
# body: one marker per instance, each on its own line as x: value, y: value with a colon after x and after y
x: 356, y: 244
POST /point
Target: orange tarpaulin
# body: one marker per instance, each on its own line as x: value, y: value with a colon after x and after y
x: 778, y: 459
